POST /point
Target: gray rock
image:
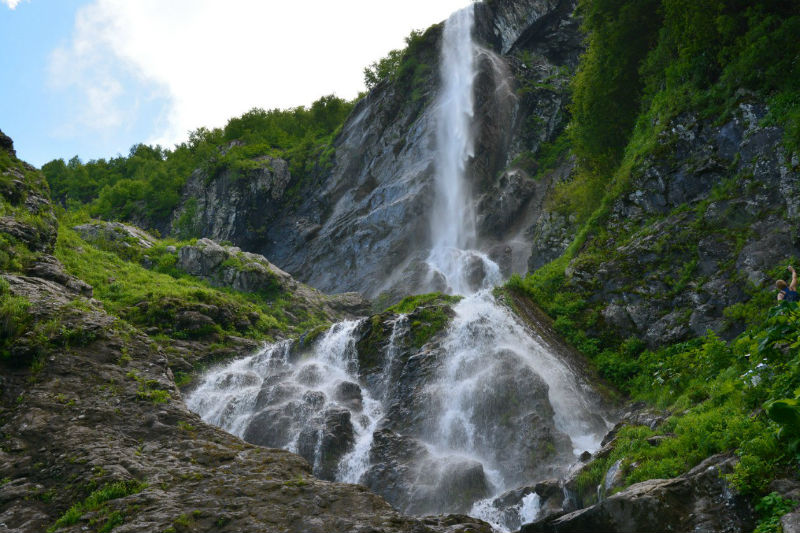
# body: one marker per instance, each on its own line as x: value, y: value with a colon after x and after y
x: 716, y: 243
x: 409, y: 477
x: 108, y: 433
x: 349, y: 394
x: 700, y: 500
x: 551, y: 502
x: 344, y: 218
x: 228, y: 266
x: 116, y: 233
x: 223, y: 207
x: 790, y: 522
x: 50, y: 268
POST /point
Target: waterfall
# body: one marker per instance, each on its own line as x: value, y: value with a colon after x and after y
x: 453, y: 236
x: 453, y: 225
x: 307, y: 402
x: 487, y: 407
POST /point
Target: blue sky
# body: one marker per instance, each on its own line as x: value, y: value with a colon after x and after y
x: 93, y: 77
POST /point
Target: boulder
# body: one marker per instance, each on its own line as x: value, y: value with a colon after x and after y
x: 700, y: 500
x: 228, y: 266
x: 514, y: 506
x: 349, y: 394
x: 405, y: 473
x: 115, y: 234
x: 511, y: 403
x: 50, y: 268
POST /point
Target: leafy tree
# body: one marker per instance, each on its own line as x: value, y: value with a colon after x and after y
x: 383, y: 69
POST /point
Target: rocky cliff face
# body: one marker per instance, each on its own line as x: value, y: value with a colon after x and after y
x: 368, y: 215
x: 706, y: 216
x: 224, y: 208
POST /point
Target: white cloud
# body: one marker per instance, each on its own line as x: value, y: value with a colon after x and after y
x: 11, y: 3
x: 215, y: 59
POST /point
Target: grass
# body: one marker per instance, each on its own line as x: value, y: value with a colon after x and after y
x: 715, y: 389
x: 14, y: 319
x: 154, y: 298
x: 96, y: 501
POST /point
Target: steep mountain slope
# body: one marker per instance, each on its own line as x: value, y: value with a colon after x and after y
x: 94, y: 431
x: 318, y: 199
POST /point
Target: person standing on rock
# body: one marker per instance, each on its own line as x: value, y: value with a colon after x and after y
x: 788, y: 293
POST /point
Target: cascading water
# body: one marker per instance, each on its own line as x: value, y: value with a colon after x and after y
x: 308, y: 403
x: 486, y: 407
x: 453, y: 235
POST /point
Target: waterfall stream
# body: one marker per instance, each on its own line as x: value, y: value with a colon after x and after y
x: 485, y: 407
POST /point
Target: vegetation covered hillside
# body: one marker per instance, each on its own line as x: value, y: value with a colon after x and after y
x: 685, y: 121
x: 684, y: 206
x: 145, y: 186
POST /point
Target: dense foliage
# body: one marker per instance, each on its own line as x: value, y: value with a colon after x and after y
x: 716, y: 390
x: 154, y: 298
x: 145, y: 185
x: 649, y: 60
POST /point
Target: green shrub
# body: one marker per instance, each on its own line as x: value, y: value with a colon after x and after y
x: 14, y: 321
x: 770, y: 509
x: 786, y: 413
x: 409, y: 303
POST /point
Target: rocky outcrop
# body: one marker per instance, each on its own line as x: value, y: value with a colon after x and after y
x: 706, y: 217
x: 221, y: 266
x: 115, y: 233
x: 511, y: 406
x: 228, y: 266
x: 49, y: 268
x: 549, y: 496
x: 700, y: 500
x: 229, y: 206
x: 28, y: 220
x: 509, y: 25
x: 416, y: 481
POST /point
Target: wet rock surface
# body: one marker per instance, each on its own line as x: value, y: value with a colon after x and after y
x: 405, y: 473
x: 111, y: 431
x: 87, y: 400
